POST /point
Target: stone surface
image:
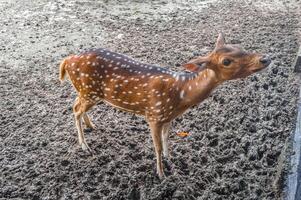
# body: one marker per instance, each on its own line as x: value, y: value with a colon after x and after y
x: 236, y: 135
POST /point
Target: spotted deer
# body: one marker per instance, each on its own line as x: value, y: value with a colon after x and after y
x: 158, y: 94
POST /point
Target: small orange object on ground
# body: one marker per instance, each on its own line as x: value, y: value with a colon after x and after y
x: 182, y: 134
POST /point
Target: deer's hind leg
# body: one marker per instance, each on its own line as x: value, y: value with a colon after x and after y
x: 85, y: 116
x: 87, y: 121
x: 80, y: 107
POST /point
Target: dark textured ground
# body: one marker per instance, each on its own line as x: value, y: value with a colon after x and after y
x: 236, y: 135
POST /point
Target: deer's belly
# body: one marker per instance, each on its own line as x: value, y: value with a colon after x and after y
x: 125, y: 106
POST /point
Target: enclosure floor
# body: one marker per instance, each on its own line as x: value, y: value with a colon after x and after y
x: 235, y: 136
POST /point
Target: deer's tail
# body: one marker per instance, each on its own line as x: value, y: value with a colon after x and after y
x: 63, y: 69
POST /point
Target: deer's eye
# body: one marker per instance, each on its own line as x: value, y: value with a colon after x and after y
x: 226, y: 62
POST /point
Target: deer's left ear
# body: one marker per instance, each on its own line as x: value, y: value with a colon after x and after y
x: 193, y: 67
x: 196, y: 65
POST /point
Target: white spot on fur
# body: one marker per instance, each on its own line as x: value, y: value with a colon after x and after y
x: 158, y: 103
x: 182, y: 94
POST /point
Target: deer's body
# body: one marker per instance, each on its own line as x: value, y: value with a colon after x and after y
x: 157, y: 93
x: 134, y: 86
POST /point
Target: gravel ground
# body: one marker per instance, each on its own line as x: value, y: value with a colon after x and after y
x: 236, y: 135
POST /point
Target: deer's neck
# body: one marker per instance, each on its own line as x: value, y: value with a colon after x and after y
x: 195, y: 89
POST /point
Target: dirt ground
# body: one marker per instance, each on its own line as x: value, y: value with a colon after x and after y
x: 236, y: 135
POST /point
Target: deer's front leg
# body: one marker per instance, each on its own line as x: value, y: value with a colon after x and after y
x: 156, y: 131
x: 165, y: 134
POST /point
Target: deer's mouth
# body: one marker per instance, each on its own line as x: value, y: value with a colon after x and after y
x: 261, y: 69
x: 257, y: 70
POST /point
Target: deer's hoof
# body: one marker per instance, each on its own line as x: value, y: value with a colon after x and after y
x: 91, y: 126
x: 161, y: 175
x: 85, y: 147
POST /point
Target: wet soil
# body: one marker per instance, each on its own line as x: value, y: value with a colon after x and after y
x: 236, y: 136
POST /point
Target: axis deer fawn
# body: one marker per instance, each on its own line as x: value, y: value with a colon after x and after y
x: 157, y: 93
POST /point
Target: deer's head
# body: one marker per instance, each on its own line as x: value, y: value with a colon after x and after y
x: 229, y: 61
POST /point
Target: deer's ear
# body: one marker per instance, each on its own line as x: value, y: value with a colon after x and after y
x: 192, y: 67
x: 220, y: 41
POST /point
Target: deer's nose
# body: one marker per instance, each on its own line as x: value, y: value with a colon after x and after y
x: 265, y: 60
